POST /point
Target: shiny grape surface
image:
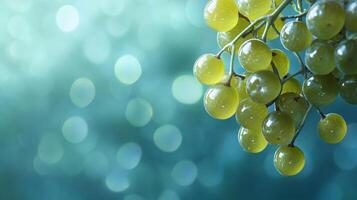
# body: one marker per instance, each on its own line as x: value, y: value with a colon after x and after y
x: 295, y: 36
x: 209, y: 69
x: 221, y: 15
x: 332, y: 128
x: 251, y: 140
x: 248, y: 55
x: 294, y: 105
x: 319, y: 57
x: 221, y: 101
x: 349, y: 89
x: 289, y: 160
x: 279, y: 23
x: 292, y: 85
x: 281, y: 62
x: 345, y: 56
x: 251, y: 114
x: 254, y: 9
x: 278, y: 128
x: 351, y: 16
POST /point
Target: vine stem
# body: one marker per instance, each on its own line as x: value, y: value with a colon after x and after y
x: 295, y: 16
x: 231, y: 64
x: 291, y: 76
x: 301, y: 125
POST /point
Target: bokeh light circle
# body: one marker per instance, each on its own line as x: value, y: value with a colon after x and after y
x: 82, y: 92
x: 117, y: 181
x: 168, y: 138
x: 50, y: 149
x: 127, y: 69
x: 129, y: 155
x: 75, y: 129
x: 184, y: 173
x: 168, y: 195
x: 67, y: 18
x: 112, y: 8
x: 186, y: 89
x: 139, y: 112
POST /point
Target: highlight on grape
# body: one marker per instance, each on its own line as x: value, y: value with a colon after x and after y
x: 324, y: 31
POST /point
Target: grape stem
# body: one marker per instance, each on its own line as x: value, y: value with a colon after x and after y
x: 301, y: 125
x: 295, y: 16
x: 231, y: 65
x: 275, y: 70
x: 291, y: 76
x: 302, y: 64
x: 322, y: 115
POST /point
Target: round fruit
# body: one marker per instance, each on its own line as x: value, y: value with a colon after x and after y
x: 292, y: 85
x: 221, y: 15
x: 263, y: 86
x: 319, y: 58
x: 289, y: 160
x: 325, y: 19
x: 209, y: 69
x: 278, y: 23
x: 294, y: 105
x: 295, y: 36
x: 251, y: 114
x: 251, y: 140
x: 349, y: 89
x: 254, y: 9
x: 278, y: 128
x: 248, y: 55
x: 281, y: 62
x: 332, y: 128
x: 345, y: 56
x: 351, y: 16
x: 221, y: 101
x: 321, y: 90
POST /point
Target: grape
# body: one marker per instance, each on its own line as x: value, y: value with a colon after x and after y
x: 319, y: 58
x: 223, y: 38
x: 238, y: 84
x: 263, y: 86
x: 253, y: 9
x: 251, y: 114
x: 221, y: 15
x: 209, y: 69
x: 351, y: 16
x: 325, y: 19
x: 251, y: 140
x: 279, y: 23
x: 321, y: 90
x: 295, y: 36
x: 221, y: 101
x: 349, y: 89
x: 289, y: 160
x: 248, y: 55
x: 345, y: 56
x: 278, y: 128
x: 292, y: 85
x: 281, y: 62
x: 332, y: 128
x: 294, y: 105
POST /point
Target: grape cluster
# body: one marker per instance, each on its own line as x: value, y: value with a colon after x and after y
x: 269, y: 103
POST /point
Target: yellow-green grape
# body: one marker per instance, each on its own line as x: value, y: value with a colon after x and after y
x: 238, y: 84
x: 349, y: 89
x: 345, y: 56
x: 209, y: 69
x: 321, y: 90
x: 251, y: 140
x: 281, y: 62
x: 278, y: 128
x: 319, y: 57
x: 254, y: 55
x: 221, y: 15
x: 251, y: 114
x: 289, y: 160
x: 223, y: 38
x: 292, y: 85
x: 294, y: 105
x: 263, y: 86
x: 351, y: 16
x: 325, y: 19
x: 278, y: 23
x: 277, y: 2
x: 221, y: 101
x: 254, y: 9
x: 295, y: 36
x: 332, y: 128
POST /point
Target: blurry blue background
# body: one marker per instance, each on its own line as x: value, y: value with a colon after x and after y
x: 98, y: 101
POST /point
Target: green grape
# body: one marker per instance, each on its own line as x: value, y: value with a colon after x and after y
x: 295, y: 36
x: 221, y: 101
x: 278, y: 128
x: 319, y: 58
x: 289, y: 160
x: 221, y: 15
x: 251, y: 114
x: 238, y: 84
x: 248, y: 55
x: 223, y: 38
x: 281, y: 62
x: 263, y: 86
x: 349, y: 89
x: 321, y: 90
x: 242, y: 89
x: 345, y: 56
x: 277, y: 3
x: 279, y: 23
x: 325, y: 19
x: 332, y: 128
x: 351, y: 16
x: 294, y: 105
x: 292, y: 85
x: 337, y: 73
x: 251, y: 140
x: 208, y: 69
x: 253, y: 9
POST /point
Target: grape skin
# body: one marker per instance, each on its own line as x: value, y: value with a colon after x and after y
x: 332, y: 129
x: 221, y: 15
x: 289, y: 160
x: 253, y: 9
x: 251, y: 140
x: 278, y: 128
x: 351, y: 16
x: 251, y: 114
x: 295, y: 36
x: 349, y: 89
x: 292, y: 85
x: 209, y: 69
x: 294, y: 105
x: 248, y: 55
x: 345, y: 56
x: 319, y: 58
x: 281, y: 62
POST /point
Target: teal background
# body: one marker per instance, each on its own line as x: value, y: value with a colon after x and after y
x: 73, y: 128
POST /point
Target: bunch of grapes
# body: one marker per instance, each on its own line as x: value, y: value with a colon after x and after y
x: 267, y: 100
